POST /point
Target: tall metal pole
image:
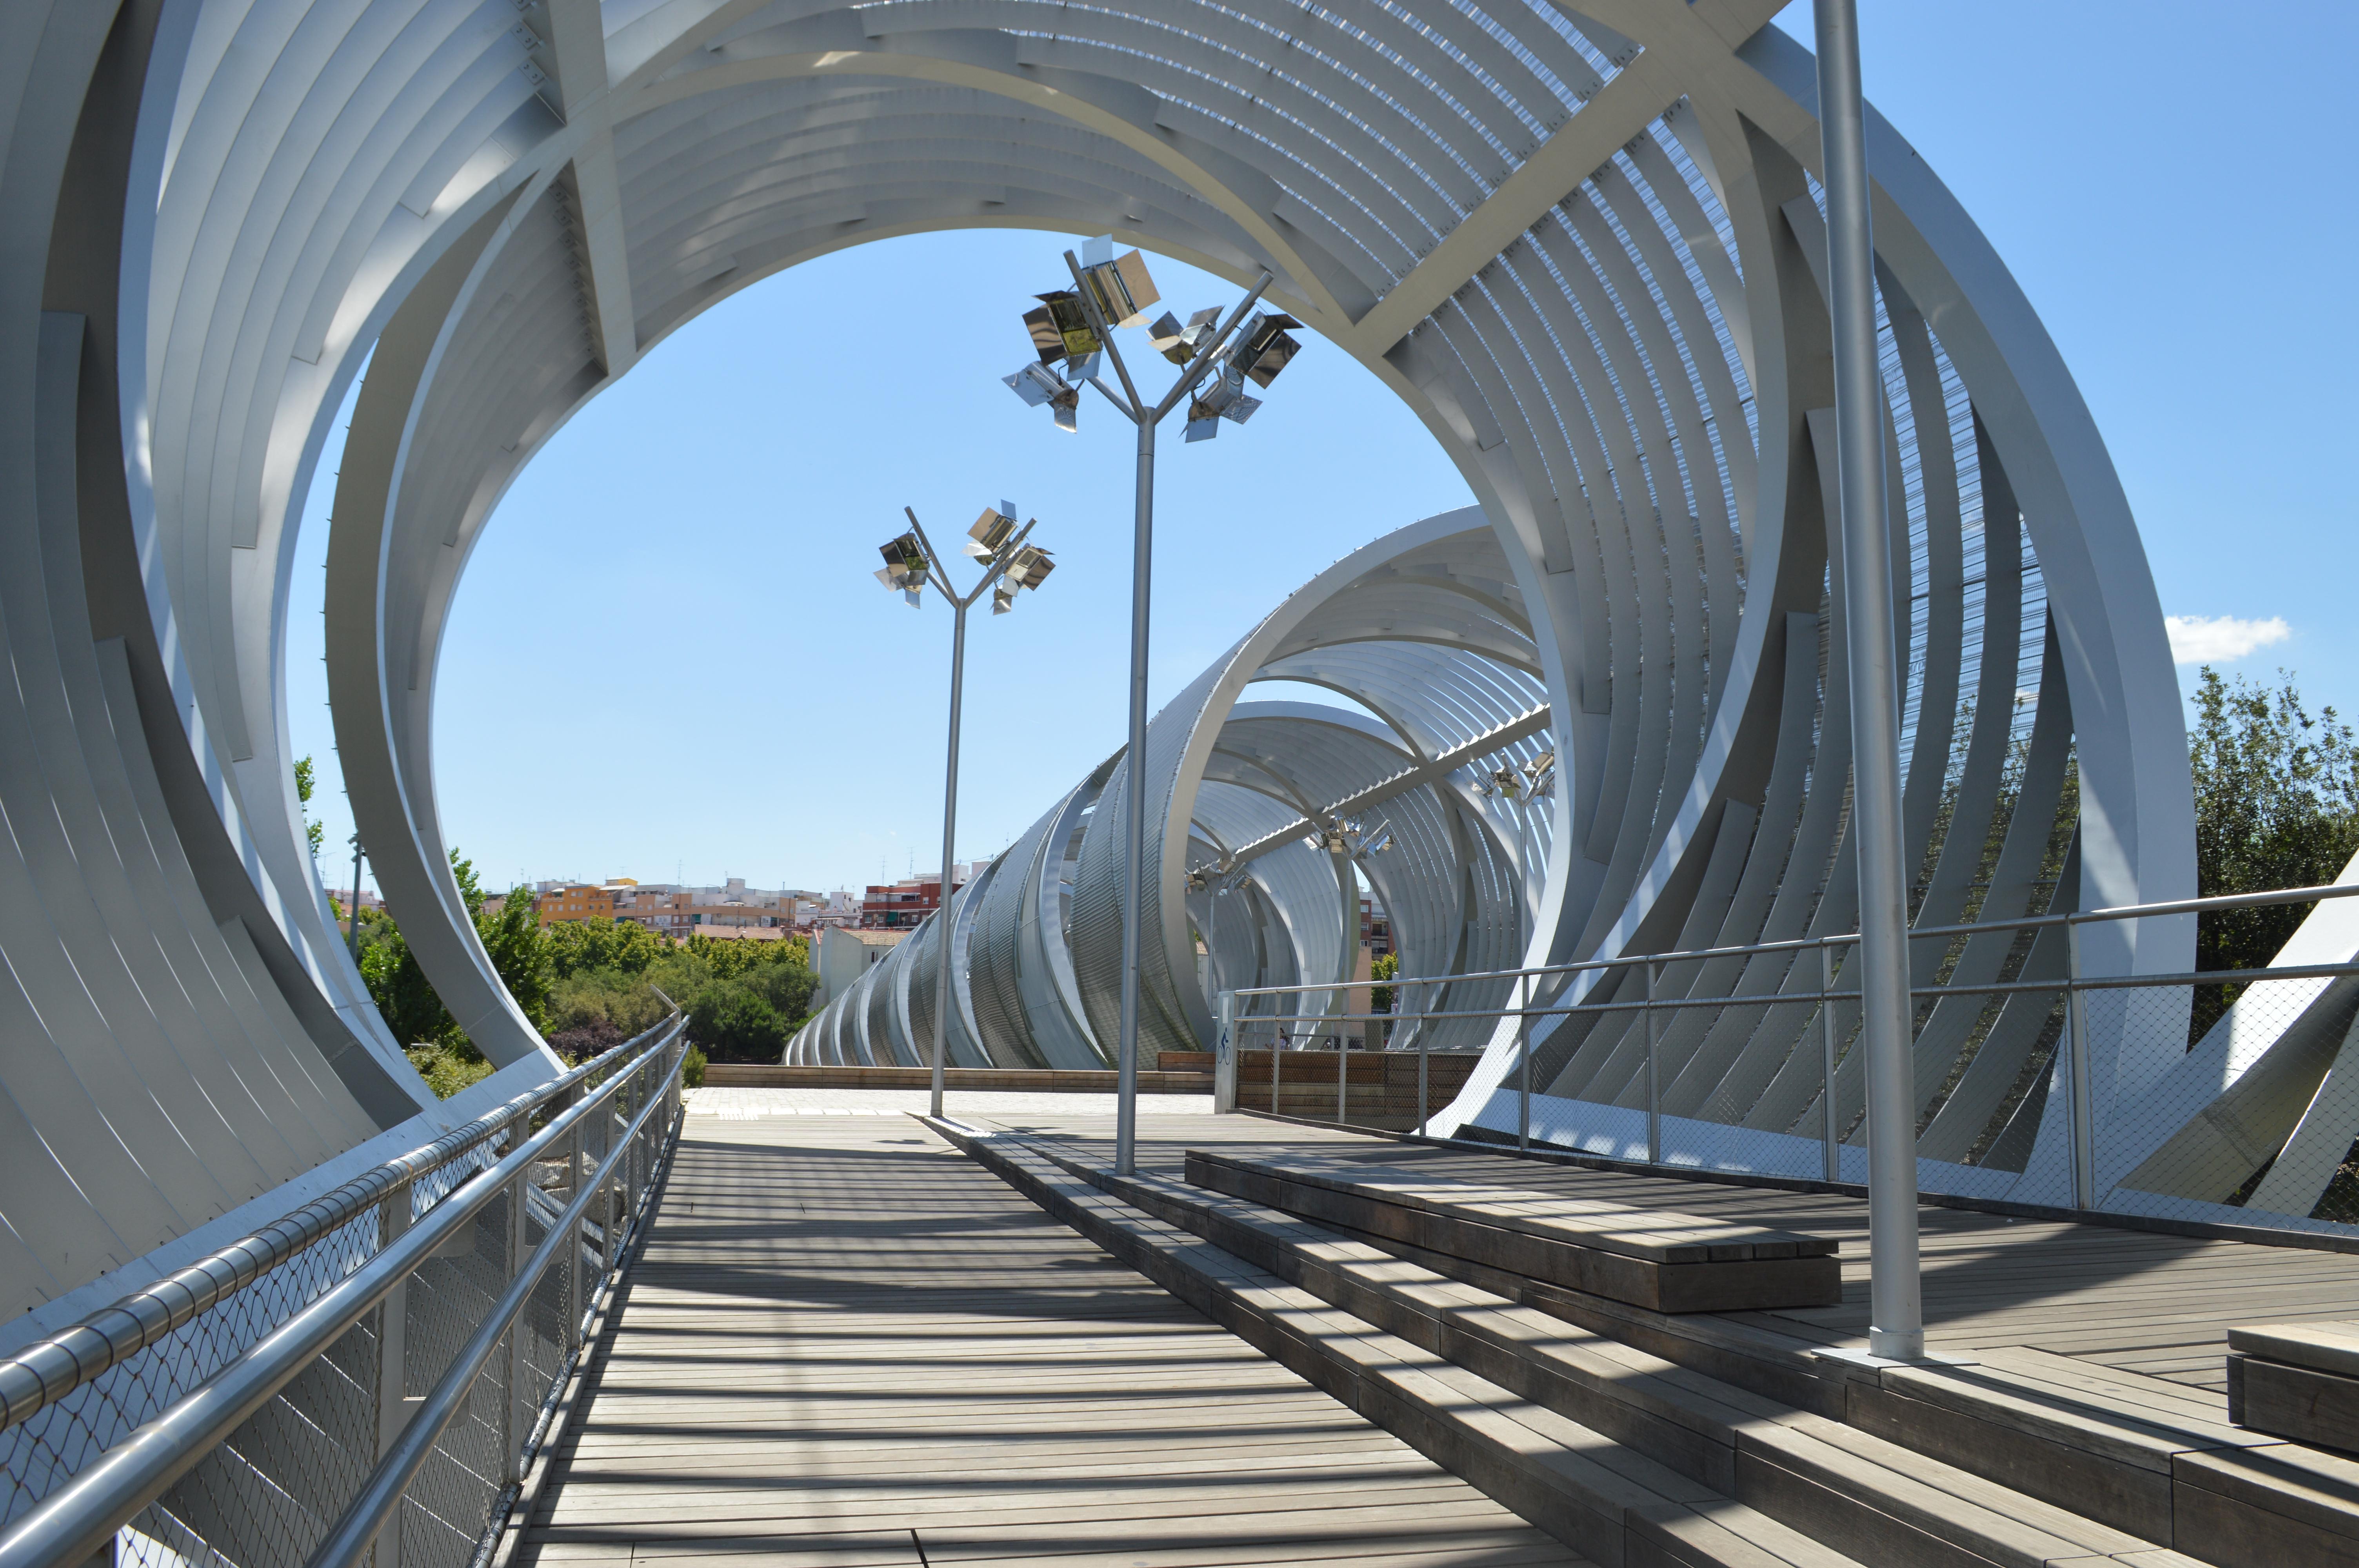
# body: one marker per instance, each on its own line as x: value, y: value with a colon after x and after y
x: 950, y: 837
x: 1134, y: 839
x: 1896, y: 1311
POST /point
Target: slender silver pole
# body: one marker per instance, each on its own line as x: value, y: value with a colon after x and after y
x: 1654, y: 1080
x: 2076, y: 1062
x: 1830, y: 1128
x: 950, y: 837
x: 1895, y: 1314
x: 1133, y: 840
x: 355, y: 910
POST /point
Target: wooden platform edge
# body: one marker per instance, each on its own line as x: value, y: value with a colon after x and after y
x: 2156, y: 1225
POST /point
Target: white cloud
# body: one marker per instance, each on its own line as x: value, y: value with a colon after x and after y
x: 2220, y: 639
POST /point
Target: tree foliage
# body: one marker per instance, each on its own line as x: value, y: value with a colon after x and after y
x: 411, y: 1007
x: 589, y: 986
x: 306, y: 780
x: 2276, y: 805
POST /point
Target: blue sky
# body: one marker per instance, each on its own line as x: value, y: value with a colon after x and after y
x: 669, y: 655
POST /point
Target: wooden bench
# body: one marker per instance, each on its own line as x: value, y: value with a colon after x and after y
x: 2298, y: 1381
x: 1649, y: 1258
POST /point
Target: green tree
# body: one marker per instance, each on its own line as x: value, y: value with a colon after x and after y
x: 733, y: 1022
x: 576, y: 946
x: 1380, y: 997
x: 315, y: 833
x: 2276, y: 805
x: 406, y: 999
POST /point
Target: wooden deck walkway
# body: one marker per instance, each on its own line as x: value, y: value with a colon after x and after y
x: 847, y: 1344
x: 2135, y: 1301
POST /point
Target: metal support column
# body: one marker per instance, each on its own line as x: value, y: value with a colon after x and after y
x: 1896, y: 1313
x: 950, y: 840
x: 1134, y: 827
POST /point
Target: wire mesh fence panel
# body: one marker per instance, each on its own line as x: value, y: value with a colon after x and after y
x: 59, y: 1441
x: 271, y: 1491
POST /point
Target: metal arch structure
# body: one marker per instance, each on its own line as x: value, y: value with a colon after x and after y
x: 1580, y: 241
x: 1424, y: 633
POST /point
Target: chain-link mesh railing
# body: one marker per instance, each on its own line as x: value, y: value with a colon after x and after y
x: 239, y: 1410
x: 2225, y: 1097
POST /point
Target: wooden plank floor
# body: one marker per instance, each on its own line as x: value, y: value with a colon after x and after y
x: 2135, y: 1301
x: 847, y: 1344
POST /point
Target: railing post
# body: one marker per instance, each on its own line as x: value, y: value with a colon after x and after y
x: 2075, y: 1044
x: 1224, y: 1057
x: 1342, y: 1073
x: 1830, y: 1128
x: 516, y: 1412
x: 1654, y: 1079
x: 1276, y: 1055
x: 576, y: 1300
x: 632, y: 1098
x: 1524, y: 1061
x: 392, y: 1316
x: 1424, y: 1101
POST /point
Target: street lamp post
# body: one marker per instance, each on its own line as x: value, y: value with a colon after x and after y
x: 1008, y: 565
x: 1073, y: 328
x: 1895, y: 1314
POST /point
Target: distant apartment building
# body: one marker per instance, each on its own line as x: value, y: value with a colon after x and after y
x: 841, y: 955
x: 574, y: 901
x: 678, y: 911
x: 902, y: 905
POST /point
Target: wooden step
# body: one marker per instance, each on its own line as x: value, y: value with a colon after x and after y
x: 1659, y: 1259
x: 2297, y: 1380
x: 1604, y: 1498
x: 1878, y: 1500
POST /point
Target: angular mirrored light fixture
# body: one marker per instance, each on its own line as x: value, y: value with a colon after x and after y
x: 1260, y: 351
x: 990, y: 530
x: 1121, y: 284
x: 1539, y: 774
x: 1061, y: 328
x: 1263, y: 348
x: 1040, y: 386
x: 905, y: 569
x: 1504, y: 783
x: 1181, y: 344
x: 1030, y: 566
x: 1222, y: 397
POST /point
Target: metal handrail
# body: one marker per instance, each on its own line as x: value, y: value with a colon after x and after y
x: 47, y: 1370
x: 72, y: 1522
x: 357, y: 1531
x: 1814, y: 995
x: 1851, y: 938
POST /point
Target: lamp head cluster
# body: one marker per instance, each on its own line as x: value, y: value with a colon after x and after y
x: 1257, y: 354
x: 906, y: 570
x: 1012, y: 565
x: 1219, y: 878
x: 1536, y: 779
x: 1349, y: 835
x: 1070, y: 350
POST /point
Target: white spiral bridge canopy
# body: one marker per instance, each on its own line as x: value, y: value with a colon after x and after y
x: 1582, y: 243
